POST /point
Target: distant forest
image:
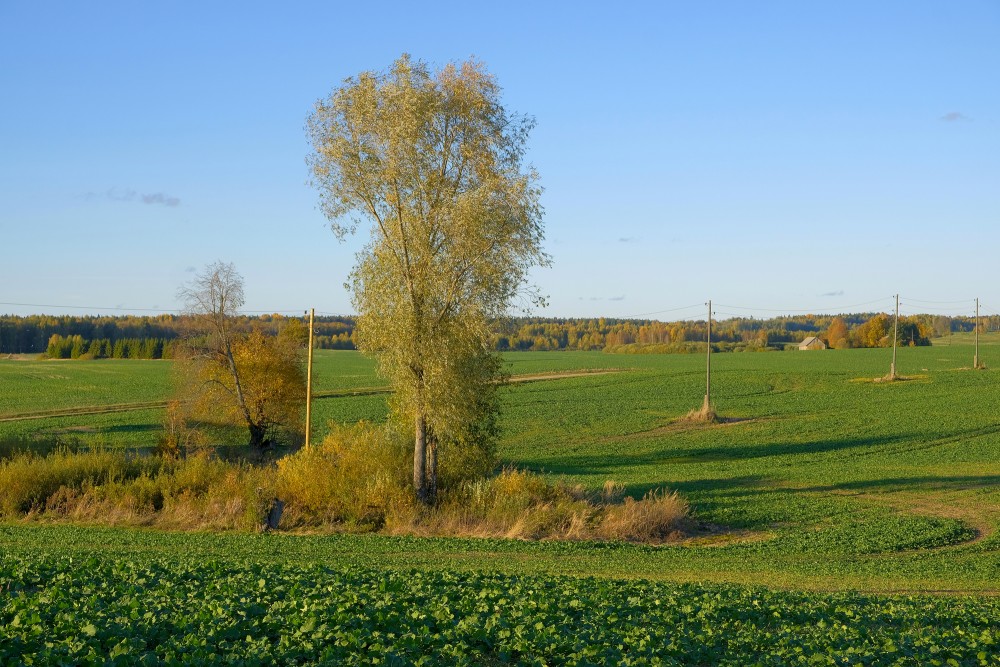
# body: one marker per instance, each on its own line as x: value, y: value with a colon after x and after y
x: 152, y: 337
x: 136, y: 336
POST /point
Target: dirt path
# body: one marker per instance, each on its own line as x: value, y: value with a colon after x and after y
x: 85, y: 410
x: 331, y: 393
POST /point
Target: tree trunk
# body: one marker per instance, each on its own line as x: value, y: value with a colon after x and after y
x: 256, y: 431
x: 420, y: 459
x: 432, y: 467
x: 258, y: 437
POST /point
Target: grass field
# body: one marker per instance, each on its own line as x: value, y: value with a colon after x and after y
x: 819, y: 481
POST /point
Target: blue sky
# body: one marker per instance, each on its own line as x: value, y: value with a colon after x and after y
x: 771, y: 156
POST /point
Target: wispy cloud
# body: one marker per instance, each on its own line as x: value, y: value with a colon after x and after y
x: 190, y: 269
x: 954, y: 117
x: 601, y: 298
x: 160, y: 198
x: 839, y: 292
x: 129, y: 195
x: 627, y: 239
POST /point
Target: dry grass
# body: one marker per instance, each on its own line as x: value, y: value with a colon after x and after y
x: 704, y: 415
x: 521, y: 505
x: 355, y: 480
x: 114, y: 488
x: 889, y: 377
x: 658, y: 517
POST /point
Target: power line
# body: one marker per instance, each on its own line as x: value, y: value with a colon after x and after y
x: 942, y: 302
x: 907, y: 302
x: 50, y: 305
x: 805, y: 310
x: 665, y: 310
x: 147, y: 310
x: 916, y: 310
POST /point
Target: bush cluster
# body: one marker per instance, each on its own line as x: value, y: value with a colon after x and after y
x: 354, y: 480
x: 113, y: 487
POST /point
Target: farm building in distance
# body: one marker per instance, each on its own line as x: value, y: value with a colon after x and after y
x: 812, y: 343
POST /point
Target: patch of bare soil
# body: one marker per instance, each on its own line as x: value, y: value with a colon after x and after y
x: 889, y: 379
x: 720, y: 536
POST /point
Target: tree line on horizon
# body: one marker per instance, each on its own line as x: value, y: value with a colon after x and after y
x: 151, y: 337
x: 29, y: 334
x: 736, y: 333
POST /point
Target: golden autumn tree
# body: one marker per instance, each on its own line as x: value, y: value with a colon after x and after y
x: 232, y: 375
x: 435, y: 163
x: 874, y: 332
x: 836, y: 333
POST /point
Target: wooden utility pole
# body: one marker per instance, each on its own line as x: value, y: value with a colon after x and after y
x: 975, y: 362
x: 895, y: 331
x: 708, y: 361
x: 309, y: 379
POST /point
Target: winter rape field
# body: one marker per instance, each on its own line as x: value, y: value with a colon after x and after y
x: 819, y: 484
x: 266, y: 605
x: 819, y: 477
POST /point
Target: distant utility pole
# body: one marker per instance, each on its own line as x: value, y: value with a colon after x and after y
x: 708, y: 361
x: 895, y: 334
x: 895, y: 331
x: 975, y: 362
x: 309, y: 379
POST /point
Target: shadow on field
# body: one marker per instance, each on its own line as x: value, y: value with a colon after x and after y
x: 610, y: 462
x: 742, y: 486
x: 130, y: 428
x: 924, y: 483
x: 742, y: 503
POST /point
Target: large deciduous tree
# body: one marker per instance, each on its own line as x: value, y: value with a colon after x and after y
x: 237, y: 376
x: 435, y: 163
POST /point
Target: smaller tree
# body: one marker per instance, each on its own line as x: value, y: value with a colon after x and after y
x: 836, y: 334
x: 235, y: 376
x: 913, y: 332
x: 874, y: 332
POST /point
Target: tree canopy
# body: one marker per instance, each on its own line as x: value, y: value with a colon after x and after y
x: 234, y: 375
x: 435, y: 163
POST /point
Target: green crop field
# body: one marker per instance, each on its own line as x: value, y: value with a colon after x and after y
x: 257, y: 600
x: 868, y: 512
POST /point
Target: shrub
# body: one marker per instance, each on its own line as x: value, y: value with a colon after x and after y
x: 27, y: 481
x: 354, y: 480
x: 657, y: 517
x: 524, y: 505
x: 356, y: 477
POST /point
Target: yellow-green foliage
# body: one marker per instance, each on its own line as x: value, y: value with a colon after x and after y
x: 523, y: 505
x: 513, y: 504
x: 355, y: 476
x: 355, y: 479
x: 27, y: 481
x: 114, y: 487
